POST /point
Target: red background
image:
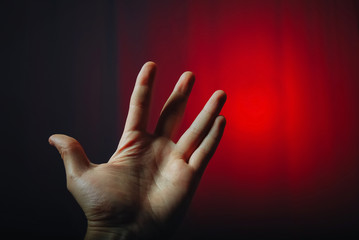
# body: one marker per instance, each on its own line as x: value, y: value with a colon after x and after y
x: 288, y: 161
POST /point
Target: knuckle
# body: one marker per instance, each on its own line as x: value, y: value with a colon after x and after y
x: 196, y: 131
x: 141, y: 104
x: 203, y: 151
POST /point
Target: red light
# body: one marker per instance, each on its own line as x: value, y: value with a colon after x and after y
x: 253, y: 110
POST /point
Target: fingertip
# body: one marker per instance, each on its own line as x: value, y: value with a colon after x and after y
x: 220, y: 97
x: 53, y: 139
x: 222, y: 119
x: 186, y: 82
x: 147, y: 74
x: 188, y: 74
x: 222, y: 122
x: 50, y: 140
x: 150, y: 64
x: 221, y: 94
x: 60, y: 139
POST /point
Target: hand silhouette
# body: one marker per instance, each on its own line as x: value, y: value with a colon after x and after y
x: 142, y: 192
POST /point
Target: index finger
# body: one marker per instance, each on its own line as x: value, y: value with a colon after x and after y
x: 138, y: 112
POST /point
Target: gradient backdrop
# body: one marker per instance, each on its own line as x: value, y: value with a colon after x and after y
x: 288, y: 165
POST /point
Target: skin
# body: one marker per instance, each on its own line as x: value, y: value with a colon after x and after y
x: 142, y: 192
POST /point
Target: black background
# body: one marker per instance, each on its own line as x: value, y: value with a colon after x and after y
x: 53, y: 54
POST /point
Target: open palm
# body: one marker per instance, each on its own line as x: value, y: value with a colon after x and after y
x: 146, y: 186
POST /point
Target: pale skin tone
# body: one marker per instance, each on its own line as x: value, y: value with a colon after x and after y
x: 142, y: 192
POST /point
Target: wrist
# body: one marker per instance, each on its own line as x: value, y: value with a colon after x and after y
x: 142, y: 230
x: 108, y: 233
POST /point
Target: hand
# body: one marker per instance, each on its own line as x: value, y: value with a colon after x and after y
x: 142, y: 192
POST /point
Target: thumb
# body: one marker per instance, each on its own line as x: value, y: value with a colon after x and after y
x: 74, y: 156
